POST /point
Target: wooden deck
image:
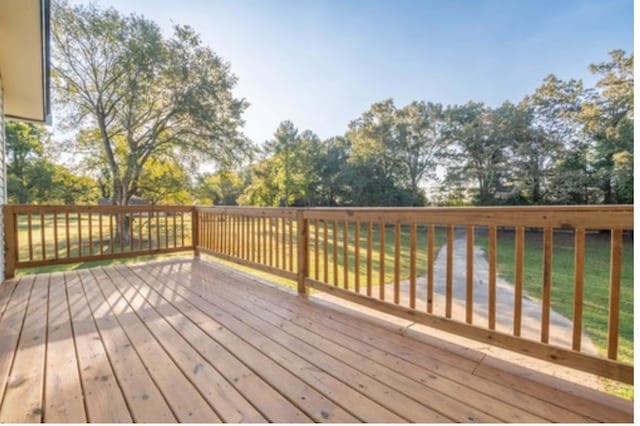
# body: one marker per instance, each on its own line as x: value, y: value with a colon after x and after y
x: 192, y: 341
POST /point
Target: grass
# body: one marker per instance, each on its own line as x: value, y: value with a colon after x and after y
x: 90, y: 234
x: 596, y: 286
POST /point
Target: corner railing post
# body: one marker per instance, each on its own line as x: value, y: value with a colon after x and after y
x: 303, y: 251
x: 195, y: 231
x: 10, y: 242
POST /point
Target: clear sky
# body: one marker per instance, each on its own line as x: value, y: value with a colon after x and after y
x: 322, y: 63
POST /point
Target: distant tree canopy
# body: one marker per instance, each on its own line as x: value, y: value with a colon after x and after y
x: 138, y: 97
x: 147, y: 110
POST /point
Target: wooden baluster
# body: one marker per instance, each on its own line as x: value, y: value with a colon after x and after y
x: 55, y: 235
x: 356, y: 258
x: 325, y: 251
x: 42, y: 237
x: 614, y: 293
x: 291, y: 245
x: 335, y: 253
x: 469, y: 292
x: 260, y: 240
x: 492, y: 276
x: 181, y: 230
x: 369, y: 257
x: 277, y: 248
x: 578, y: 288
x: 412, y: 266
x: 90, y: 233
x: 100, y: 233
x: 316, y: 255
x: 396, y: 263
x: 284, y: 244
x: 430, y: 256
x: 270, y: 241
x: 345, y: 253
x: 175, y: 234
x: 131, y: 231
x: 519, y: 281
x: 67, y: 234
x: 30, y: 235
x: 111, y: 248
x: 546, y: 285
x: 449, y: 282
x: 79, y: 235
x: 158, y: 230
x: 382, y: 253
x: 140, y: 245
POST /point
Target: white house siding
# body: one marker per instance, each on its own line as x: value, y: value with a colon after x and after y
x: 3, y: 179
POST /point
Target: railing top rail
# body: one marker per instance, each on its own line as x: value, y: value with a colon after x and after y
x: 30, y: 208
x: 288, y: 212
x: 571, y: 217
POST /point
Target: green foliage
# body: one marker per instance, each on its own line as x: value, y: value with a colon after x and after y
x: 222, y: 188
x: 136, y: 95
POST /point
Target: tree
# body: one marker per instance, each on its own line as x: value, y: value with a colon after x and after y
x: 420, y: 140
x: 29, y: 174
x: 479, y: 139
x: 164, y: 181
x: 607, y: 115
x: 138, y: 96
x: 285, y: 176
x: 221, y: 188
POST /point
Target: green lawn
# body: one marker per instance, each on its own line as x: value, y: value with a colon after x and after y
x: 596, y: 286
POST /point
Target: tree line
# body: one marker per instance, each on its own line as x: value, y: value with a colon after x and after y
x: 146, y: 109
x: 562, y: 144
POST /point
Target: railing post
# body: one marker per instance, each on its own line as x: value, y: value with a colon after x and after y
x: 10, y: 242
x: 303, y: 251
x: 195, y: 231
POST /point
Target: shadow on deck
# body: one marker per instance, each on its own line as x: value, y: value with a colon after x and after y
x: 194, y: 341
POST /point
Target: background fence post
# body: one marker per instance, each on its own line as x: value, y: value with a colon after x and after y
x: 10, y: 242
x: 195, y: 231
x: 303, y: 251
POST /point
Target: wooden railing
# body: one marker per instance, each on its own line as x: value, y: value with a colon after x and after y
x: 390, y: 259
x: 48, y: 235
x: 421, y: 264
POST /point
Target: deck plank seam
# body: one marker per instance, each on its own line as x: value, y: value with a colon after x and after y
x: 497, y: 383
x: 106, y: 352
x: 15, y: 350
x: 75, y: 349
x: 274, y: 361
x: 229, y: 287
x: 163, y: 345
x: 393, y: 409
x: 292, y: 401
x: 135, y: 349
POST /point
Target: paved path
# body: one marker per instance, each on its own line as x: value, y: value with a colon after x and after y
x: 561, y: 328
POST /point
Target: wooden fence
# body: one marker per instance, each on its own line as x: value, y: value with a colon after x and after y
x: 385, y: 258
x: 415, y: 263
x: 49, y: 235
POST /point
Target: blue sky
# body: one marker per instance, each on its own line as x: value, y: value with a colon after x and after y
x: 321, y: 63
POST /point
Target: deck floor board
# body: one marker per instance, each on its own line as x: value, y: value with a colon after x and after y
x: 192, y: 340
